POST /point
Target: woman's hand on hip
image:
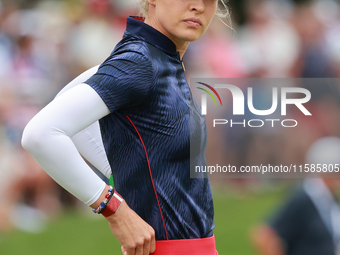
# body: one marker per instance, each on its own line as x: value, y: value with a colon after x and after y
x: 136, y: 236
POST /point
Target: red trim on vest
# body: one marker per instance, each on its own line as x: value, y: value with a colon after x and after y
x: 138, y: 18
x: 153, y: 184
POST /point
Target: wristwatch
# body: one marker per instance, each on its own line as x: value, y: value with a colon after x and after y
x: 113, y: 205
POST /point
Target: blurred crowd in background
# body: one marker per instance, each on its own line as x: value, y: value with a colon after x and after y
x: 45, y: 44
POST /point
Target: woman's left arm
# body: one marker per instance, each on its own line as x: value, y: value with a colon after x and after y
x: 89, y: 141
x: 47, y: 137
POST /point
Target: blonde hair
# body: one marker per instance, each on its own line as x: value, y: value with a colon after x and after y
x: 223, y: 13
x: 143, y: 8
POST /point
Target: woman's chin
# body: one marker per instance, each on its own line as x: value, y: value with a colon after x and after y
x: 190, y: 37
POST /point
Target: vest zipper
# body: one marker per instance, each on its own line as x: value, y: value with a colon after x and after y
x: 179, y: 58
x: 183, y: 65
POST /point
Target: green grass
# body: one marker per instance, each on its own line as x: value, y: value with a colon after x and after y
x: 235, y: 215
x: 76, y: 233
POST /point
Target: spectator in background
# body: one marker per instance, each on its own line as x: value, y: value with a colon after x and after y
x: 35, y: 55
x: 27, y: 195
x: 268, y: 43
x: 310, y: 24
x: 333, y: 35
x: 221, y: 61
x: 94, y: 31
x: 309, y: 223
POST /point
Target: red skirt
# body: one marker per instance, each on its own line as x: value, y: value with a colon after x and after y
x: 201, y: 246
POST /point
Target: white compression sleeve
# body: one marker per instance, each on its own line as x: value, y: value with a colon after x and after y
x: 48, y: 139
x: 90, y: 145
x: 89, y: 140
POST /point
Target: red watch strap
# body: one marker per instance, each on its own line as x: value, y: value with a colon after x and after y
x: 112, y: 205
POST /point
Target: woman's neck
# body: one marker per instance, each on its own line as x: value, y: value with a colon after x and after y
x: 181, y: 46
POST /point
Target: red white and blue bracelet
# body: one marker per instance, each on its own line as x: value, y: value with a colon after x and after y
x: 111, y: 203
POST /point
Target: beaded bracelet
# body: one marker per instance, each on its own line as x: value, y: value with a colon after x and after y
x: 107, y: 199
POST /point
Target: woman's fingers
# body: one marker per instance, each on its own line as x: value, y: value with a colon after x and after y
x: 123, y: 250
x: 136, y: 236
